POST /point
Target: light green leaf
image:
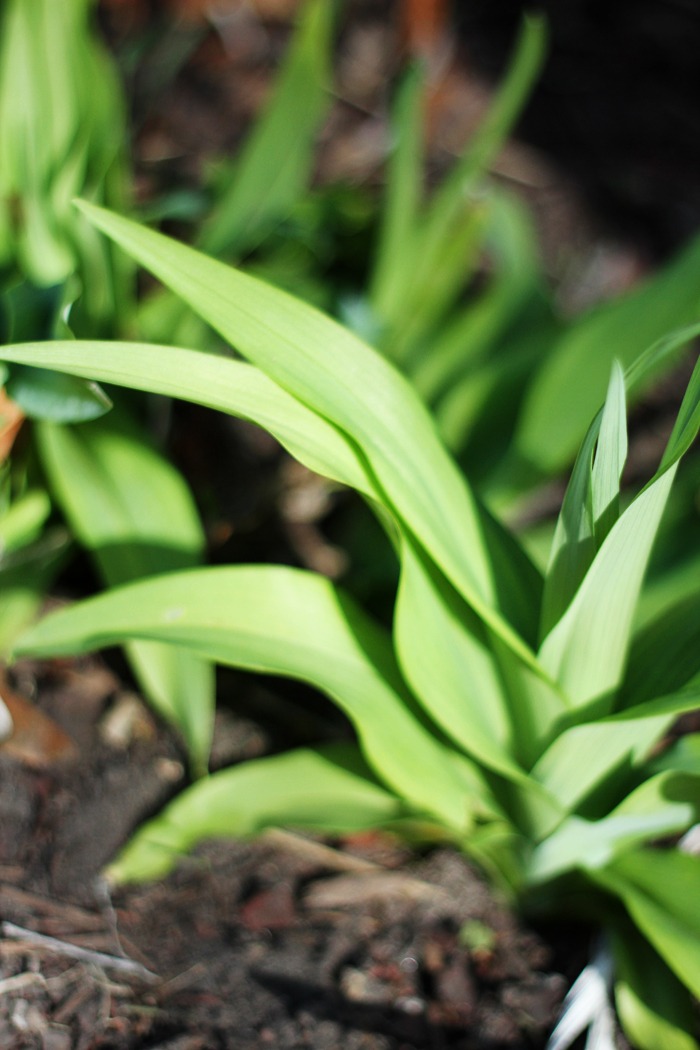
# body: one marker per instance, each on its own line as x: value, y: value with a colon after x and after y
x: 659, y: 888
x: 134, y: 513
x: 665, y: 654
x: 666, y: 804
x: 399, y: 212
x: 282, y: 621
x: 571, y: 385
x: 42, y: 394
x: 576, y: 538
x: 23, y: 520
x: 444, y: 653
x: 585, y: 652
x: 653, y: 1006
x: 573, y: 545
x: 217, y: 382
x: 276, y: 161
x: 610, y: 456
x: 338, y: 376
x: 581, y: 757
x: 448, y: 203
x: 468, y: 340
x: 325, y: 790
x: 683, y: 755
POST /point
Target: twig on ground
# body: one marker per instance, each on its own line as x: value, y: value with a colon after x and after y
x: 74, y: 951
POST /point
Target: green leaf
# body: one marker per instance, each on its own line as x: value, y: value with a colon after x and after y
x: 571, y: 384
x: 277, y: 158
x: 665, y: 654
x: 666, y: 804
x: 338, y: 376
x: 448, y: 203
x: 443, y: 651
x: 278, y: 621
x: 26, y: 573
x: 577, y: 537
x: 22, y: 522
x: 586, y: 650
x: 683, y: 755
x: 325, y: 790
x: 573, y: 546
x: 659, y: 890
x: 217, y: 382
x: 468, y: 340
x: 134, y: 513
x: 687, y: 423
x: 653, y: 1006
x: 42, y: 394
x: 610, y: 456
x: 591, y: 503
x: 582, y: 756
x: 399, y: 211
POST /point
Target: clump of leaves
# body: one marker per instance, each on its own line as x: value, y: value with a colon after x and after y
x: 516, y: 716
x: 62, y: 133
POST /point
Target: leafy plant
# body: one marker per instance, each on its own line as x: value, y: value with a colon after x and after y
x: 61, y: 133
x: 490, y: 357
x: 517, y: 716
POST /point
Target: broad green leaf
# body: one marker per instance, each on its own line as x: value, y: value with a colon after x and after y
x: 443, y: 651
x: 276, y: 161
x: 571, y: 385
x: 43, y: 394
x: 466, y: 680
x: 217, y: 382
x: 585, y: 652
x: 659, y: 889
x: 277, y: 621
x: 582, y: 756
x: 683, y: 755
x: 653, y: 1006
x: 132, y: 510
x: 338, y: 376
x: 325, y: 790
x: 665, y: 654
x: 666, y: 804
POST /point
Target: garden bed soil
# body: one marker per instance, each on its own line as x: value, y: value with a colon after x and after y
x: 282, y: 942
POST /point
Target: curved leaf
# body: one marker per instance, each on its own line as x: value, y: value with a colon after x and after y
x: 132, y: 510
x: 325, y: 790
x: 279, y: 621
x: 338, y: 376
x: 653, y: 1005
x: 208, y: 379
x: 659, y: 888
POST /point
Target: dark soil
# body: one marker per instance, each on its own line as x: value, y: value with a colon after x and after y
x: 283, y: 942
